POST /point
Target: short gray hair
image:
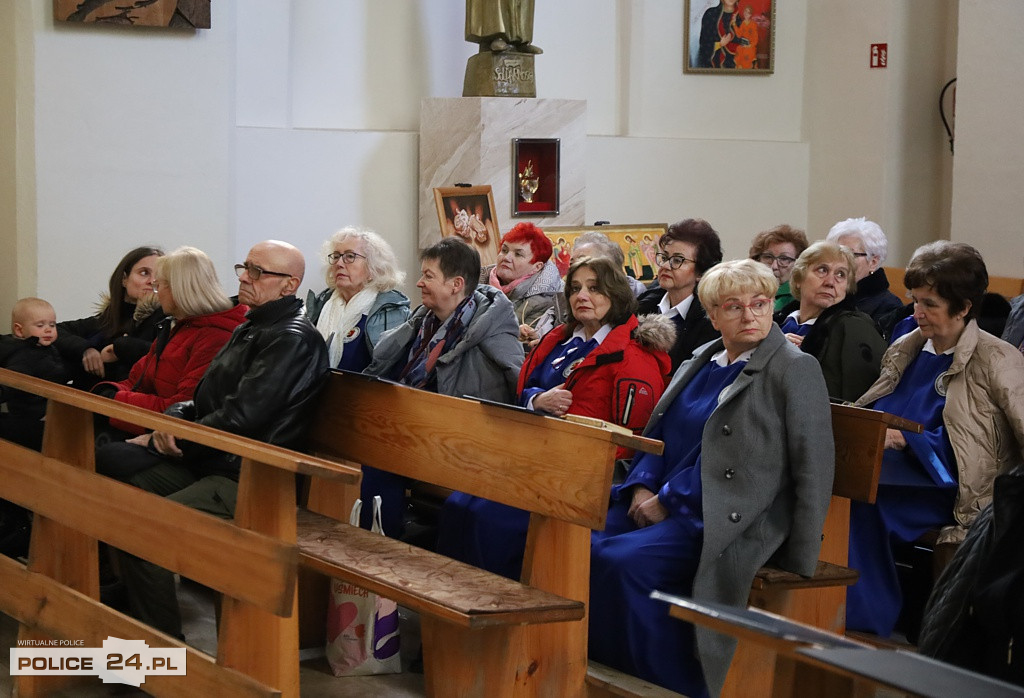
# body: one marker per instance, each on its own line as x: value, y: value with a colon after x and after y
x: 608, y: 248
x: 734, y: 277
x: 868, y: 232
x: 823, y: 251
x: 380, y: 258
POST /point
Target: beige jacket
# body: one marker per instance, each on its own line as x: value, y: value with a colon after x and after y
x: 984, y: 413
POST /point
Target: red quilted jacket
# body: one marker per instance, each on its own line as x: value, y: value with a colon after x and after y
x: 169, y: 375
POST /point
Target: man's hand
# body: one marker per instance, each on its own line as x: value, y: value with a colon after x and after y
x: 164, y: 444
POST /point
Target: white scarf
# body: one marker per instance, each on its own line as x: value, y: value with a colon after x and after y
x: 337, y: 318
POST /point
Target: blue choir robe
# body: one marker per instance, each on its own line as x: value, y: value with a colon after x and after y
x: 629, y: 631
x: 791, y: 325
x: 916, y: 492
x: 488, y: 534
x: 355, y: 354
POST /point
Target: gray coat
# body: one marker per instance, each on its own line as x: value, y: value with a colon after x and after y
x: 767, y: 462
x: 484, y: 364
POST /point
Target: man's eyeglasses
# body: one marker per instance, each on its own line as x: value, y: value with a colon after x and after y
x: 758, y: 308
x: 770, y: 259
x: 256, y: 272
x: 346, y: 257
x: 674, y: 262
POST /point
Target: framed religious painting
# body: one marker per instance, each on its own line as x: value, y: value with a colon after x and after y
x: 735, y: 37
x: 639, y: 245
x: 468, y: 213
x: 535, y: 177
x: 180, y: 14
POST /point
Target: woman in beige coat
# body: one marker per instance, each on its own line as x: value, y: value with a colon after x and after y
x: 966, y: 387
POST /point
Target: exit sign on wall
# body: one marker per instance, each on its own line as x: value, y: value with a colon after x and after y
x: 879, y: 55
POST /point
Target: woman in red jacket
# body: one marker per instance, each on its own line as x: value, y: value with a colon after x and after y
x: 602, y: 363
x: 202, y: 318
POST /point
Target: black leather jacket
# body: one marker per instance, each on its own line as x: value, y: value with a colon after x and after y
x: 264, y: 382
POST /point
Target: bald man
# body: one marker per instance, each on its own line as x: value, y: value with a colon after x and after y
x: 263, y: 384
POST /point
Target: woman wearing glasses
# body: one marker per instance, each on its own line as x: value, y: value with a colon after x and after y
x: 824, y: 322
x: 685, y: 252
x: 361, y: 301
x: 602, y: 363
x: 778, y: 248
x: 745, y: 477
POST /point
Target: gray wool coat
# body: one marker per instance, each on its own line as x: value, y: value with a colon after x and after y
x: 767, y: 462
x: 485, y: 363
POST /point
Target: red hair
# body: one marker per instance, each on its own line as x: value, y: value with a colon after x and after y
x: 532, y: 235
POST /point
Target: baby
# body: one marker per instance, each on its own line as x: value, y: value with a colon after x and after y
x: 29, y: 350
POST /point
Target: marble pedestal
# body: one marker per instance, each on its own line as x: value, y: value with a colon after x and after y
x: 469, y: 139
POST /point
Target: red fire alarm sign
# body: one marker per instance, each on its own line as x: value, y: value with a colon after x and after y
x: 879, y: 55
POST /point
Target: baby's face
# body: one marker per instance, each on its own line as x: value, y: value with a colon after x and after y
x: 41, y: 323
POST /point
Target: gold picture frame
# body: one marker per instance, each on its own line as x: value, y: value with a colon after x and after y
x: 468, y: 213
x: 639, y: 244
x: 750, y: 28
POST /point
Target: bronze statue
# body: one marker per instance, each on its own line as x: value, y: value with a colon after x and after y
x: 501, y: 25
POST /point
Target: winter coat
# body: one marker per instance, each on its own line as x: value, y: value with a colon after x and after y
x: 691, y: 332
x: 848, y: 347
x: 389, y: 310
x: 264, y: 383
x: 75, y: 336
x: 873, y: 298
x: 621, y: 380
x: 484, y: 364
x: 976, y: 610
x: 533, y: 297
x: 26, y: 356
x: 767, y: 462
x: 983, y: 415
x: 175, y: 363
x: 1013, y: 332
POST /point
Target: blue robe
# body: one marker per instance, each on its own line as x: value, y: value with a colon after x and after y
x: 488, y: 534
x: 791, y: 326
x: 355, y: 355
x: 916, y: 492
x: 629, y: 631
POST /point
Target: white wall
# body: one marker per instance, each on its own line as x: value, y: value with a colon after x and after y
x: 878, y: 148
x: 988, y: 181
x: 132, y: 146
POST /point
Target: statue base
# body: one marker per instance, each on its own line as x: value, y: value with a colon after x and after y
x: 507, y: 74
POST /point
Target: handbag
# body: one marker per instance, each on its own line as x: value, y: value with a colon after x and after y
x: 362, y: 627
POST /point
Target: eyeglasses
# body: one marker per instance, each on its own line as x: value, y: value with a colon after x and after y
x: 758, y: 308
x: 822, y: 271
x: 346, y: 257
x: 674, y: 262
x: 256, y: 272
x: 770, y: 259
x: 860, y: 254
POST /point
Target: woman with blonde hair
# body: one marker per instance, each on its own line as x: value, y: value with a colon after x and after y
x: 201, y: 320
x: 361, y: 300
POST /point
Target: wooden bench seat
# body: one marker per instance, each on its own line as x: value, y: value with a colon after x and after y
x: 826, y: 574
x: 424, y: 581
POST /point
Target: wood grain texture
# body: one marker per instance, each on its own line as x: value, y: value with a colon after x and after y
x: 826, y: 574
x: 282, y: 458
x: 251, y: 639
x: 53, y: 610
x: 537, y: 463
x: 429, y: 583
x: 237, y: 562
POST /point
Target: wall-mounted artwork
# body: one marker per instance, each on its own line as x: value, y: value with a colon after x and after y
x: 185, y: 14
x: 468, y: 213
x: 639, y: 245
x: 535, y: 176
x: 729, y: 36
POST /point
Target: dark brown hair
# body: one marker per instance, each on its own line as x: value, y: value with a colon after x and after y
x: 954, y: 270
x: 699, y: 233
x: 611, y: 282
x: 115, y: 319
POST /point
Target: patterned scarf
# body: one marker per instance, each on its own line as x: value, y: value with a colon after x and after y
x: 433, y: 339
x: 493, y: 280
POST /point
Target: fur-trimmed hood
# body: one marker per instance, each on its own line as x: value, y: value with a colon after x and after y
x: 143, y: 309
x: 656, y: 332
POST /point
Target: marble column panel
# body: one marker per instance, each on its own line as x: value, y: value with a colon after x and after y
x: 469, y: 139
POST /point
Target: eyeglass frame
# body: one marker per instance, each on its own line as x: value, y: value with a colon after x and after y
x: 260, y: 271
x: 772, y: 259
x: 342, y: 256
x: 660, y: 258
x: 767, y: 306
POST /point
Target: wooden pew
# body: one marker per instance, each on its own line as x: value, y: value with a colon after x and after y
x: 482, y: 634
x: 820, y: 601
x: 251, y: 561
